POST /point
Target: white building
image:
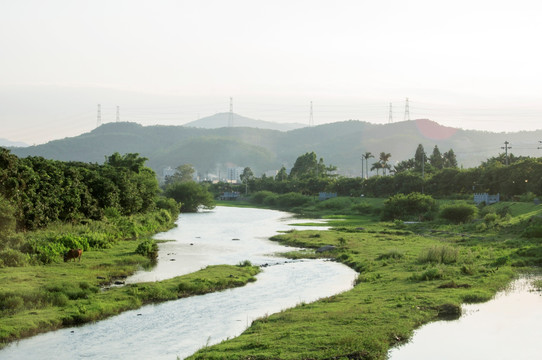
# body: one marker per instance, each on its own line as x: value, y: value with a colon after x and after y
x: 234, y: 175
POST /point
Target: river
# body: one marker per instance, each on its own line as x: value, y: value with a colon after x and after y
x: 179, y: 328
x: 506, y: 327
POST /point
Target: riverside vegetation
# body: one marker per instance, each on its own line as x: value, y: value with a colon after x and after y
x: 109, y: 211
x: 411, y: 272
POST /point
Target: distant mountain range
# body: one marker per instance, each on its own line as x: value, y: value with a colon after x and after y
x: 8, y: 143
x: 340, y: 144
x: 223, y: 119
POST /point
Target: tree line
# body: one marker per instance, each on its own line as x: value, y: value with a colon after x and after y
x: 38, y: 191
x: 437, y: 175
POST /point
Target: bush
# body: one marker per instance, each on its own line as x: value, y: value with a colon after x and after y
x: 292, y: 199
x: 439, y: 254
x: 260, y: 196
x: 12, y: 258
x: 363, y: 208
x: 169, y: 204
x: 338, y: 203
x: 491, y: 218
x: 414, y: 206
x: 459, y: 213
x: 533, y: 231
x: 148, y: 248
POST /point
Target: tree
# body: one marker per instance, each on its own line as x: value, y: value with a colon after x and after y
x: 366, y: 156
x: 376, y: 166
x: 405, y: 165
x: 183, y: 173
x: 384, y: 158
x: 436, y: 159
x: 420, y: 158
x: 131, y: 161
x: 247, y: 176
x: 191, y: 195
x: 282, y: 175
x: 449, y: 160
x: 305, y: 166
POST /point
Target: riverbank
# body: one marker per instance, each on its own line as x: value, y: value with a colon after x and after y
x: 410, y: 274
x: 41, y: 298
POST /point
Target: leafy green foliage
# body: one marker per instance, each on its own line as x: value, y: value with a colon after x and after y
x: 411, y: 206
x: 148, y: 248
x: 458, y: 213
x: 43, y: 191
x: 190, y: 195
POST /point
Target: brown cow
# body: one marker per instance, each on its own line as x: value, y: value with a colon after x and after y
x: 73, y: 254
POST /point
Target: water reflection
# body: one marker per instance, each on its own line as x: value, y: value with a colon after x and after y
x: 507, y: 327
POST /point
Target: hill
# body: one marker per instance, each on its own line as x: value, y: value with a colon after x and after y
x: 8, y: 143
x: 221, y: 120
x: 340, y: 144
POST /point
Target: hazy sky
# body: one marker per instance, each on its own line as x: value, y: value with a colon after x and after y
x: 470, y: 64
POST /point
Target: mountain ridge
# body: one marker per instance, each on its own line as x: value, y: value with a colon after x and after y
x: 340, y: 144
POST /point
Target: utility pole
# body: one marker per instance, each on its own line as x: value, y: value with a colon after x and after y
x: 311, y: 118
x: 390, y: 116
x: 99, y: 119
x: 506, y: 147
x: 230, y: 117
x: 118, y: 113
x: 407, y: 110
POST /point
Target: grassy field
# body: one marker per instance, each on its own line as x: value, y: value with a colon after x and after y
x: 410, y: 274
x: 36, y: 299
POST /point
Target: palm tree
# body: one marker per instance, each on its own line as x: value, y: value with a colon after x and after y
x: 366, y: 156
x: 384, y: 158
x: 376, y: 166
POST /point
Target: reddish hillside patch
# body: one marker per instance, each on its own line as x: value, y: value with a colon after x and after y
x: 432, y: 130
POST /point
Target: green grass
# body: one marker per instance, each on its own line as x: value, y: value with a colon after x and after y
x: 410, y: 274
x: 36, y: 299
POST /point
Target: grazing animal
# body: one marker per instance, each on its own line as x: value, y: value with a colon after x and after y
x: 73, y: 254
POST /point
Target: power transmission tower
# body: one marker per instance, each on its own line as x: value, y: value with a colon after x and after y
x: 311, y: 118
x: 99, y: 119
x: 230, y: 117
x: 118, y: 113
x: 390, y: 116
x: 407, y: 110
x: 506, y: 147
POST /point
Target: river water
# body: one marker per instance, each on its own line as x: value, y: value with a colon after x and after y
x: 179, y: 328
x: 507, y: 327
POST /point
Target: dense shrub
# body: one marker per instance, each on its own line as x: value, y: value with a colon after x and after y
x: 260, y: 196
x: 148, y: 248
x: 363, y: 208
x: 338, y: 203
x: 292, y: 199
x: 12, y: 258
x: 413, y: 206
x: 458, y: 213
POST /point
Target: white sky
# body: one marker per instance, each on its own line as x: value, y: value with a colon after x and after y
x: 473, y: 64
